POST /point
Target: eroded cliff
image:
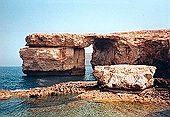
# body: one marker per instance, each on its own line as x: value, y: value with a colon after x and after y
x: 138, y: 48
x: 64, y: 53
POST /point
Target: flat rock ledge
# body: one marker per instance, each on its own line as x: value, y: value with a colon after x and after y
x: 89, y: 90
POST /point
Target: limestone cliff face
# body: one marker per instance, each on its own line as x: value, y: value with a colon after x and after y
x: 60, y: 53
x: 53, y: 61
x: 54, y: 54
x: 139, y: 47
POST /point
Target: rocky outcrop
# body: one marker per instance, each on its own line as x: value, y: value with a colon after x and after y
x: 150, y: 47
x: 152, y: 95
x: 55, y: 90
x: 128, y: 77
x: 90, y: 91
x: 53, y: 61
x: 54, y: 54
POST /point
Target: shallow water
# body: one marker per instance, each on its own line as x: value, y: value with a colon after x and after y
x: 12, y: 78
x: 70, y: 106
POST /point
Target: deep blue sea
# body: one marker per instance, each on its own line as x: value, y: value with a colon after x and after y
x: 12, y: 78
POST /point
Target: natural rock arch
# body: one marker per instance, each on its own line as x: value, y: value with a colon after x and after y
x: 102, y: 52
x: 63, y: 54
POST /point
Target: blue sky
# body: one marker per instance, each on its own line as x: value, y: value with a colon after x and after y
x: 22, y: 17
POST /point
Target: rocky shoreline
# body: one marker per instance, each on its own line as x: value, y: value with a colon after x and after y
x: 89, y: 90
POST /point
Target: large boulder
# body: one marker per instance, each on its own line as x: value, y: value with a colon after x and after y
x: 53, y: 61
x: 130, y: 77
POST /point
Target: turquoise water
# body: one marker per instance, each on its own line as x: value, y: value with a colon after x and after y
x: 12, y: 78
x: 70, y: 106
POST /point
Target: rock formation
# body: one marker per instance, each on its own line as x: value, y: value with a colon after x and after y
x: 54, y: 54
x: 53, y: 61
x: 128, y: 77
x: 150, y: 47
x: 91, y: 92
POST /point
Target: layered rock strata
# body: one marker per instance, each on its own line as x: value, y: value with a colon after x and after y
x: 148, y: 47
x: 54, y: 54
x: 59, y: 40
x: 53, y: 61
x: 128, y: 77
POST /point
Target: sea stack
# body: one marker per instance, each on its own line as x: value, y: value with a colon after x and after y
x: 54, y: 54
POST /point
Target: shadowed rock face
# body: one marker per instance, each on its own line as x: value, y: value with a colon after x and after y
x: 150, y: 47
x: 134, y: 48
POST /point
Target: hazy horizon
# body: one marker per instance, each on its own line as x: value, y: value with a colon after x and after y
x: 22, y: 17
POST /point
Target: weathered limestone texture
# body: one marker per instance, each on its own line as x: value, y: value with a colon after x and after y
x: 150, y: 47
x: 53, y: 61
x: 147, y: 47
x: 89, y: 90
x: 58, y: 40
x: 132, y: 77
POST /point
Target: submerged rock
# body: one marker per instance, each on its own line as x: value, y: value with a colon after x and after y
x: 151, y: 95
x: 133, y: 77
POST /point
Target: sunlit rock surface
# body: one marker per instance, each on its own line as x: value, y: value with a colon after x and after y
x: 53, y: 61
x: 146, y: 47
x: 59, y: 40
x: 134, y: 77
x: 89, y: 90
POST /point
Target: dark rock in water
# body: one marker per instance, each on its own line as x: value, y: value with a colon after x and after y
x: 33, y: 96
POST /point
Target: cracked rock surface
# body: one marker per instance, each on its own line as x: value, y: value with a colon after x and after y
x: 134, y: 77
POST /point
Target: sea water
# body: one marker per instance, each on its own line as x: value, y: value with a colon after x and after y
x: 12, y: 78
